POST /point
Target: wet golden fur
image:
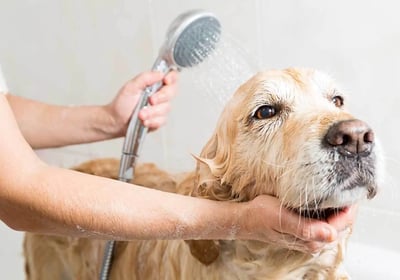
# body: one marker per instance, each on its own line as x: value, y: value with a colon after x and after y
x: 281, y: 156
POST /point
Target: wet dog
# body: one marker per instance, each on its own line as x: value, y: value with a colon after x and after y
x: 284, y: 133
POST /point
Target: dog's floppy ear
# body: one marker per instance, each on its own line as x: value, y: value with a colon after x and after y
x: 206, y: 251
x: 214, y: 163
x: 210, y: 182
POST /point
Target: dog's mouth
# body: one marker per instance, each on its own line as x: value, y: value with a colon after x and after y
x: 323, y: 214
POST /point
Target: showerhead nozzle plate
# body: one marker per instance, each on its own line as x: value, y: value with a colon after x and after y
x: 196, y: 41
x: 191, y: 37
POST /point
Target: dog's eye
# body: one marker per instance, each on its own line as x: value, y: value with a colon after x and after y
x: 265, y: 112
x: 337, y: 100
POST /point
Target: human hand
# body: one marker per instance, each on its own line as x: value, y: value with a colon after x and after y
x: 267, y: 220
x: 345, y: 220
x: 154, y: 116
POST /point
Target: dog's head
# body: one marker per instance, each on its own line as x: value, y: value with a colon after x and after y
x: 287, y: 133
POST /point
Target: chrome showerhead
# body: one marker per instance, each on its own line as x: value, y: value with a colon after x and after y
x: 191, y: 37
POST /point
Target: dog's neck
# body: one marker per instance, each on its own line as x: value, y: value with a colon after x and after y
x: 246, y: 254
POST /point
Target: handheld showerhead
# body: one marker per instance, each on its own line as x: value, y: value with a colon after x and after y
x: 190, y: 39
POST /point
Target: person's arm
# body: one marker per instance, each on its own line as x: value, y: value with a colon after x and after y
x: 38, y: 198
x: 45, y: 125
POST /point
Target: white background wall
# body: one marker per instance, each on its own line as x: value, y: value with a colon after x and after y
x: 81, y: 52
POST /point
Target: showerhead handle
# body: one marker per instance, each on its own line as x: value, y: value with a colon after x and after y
x: 136, y: 131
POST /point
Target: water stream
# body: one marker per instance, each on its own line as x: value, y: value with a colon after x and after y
x: 222, y: 72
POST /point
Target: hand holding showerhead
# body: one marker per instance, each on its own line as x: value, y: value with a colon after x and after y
x: 191, y: 37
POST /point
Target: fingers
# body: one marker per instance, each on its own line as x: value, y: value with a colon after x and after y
x: 345, y: 219
x: 289, y: 222
x: 171, y: 78
x: 293, y: 243
x: 154, y: 116
x: 124, y: 103
x: 265, y: 219
x: 306, y: 235
x: 313, y: 230
x: 167, y: 92
x: 295, y: 231
x: 316, y: 230
x: 143, y: 80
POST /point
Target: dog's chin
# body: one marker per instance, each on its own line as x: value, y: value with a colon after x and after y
x: 340, y: 199
x: 336, y: 204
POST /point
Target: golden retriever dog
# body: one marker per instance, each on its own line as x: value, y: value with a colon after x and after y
x: 284, y: 133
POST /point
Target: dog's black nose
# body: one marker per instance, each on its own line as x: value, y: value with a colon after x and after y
x: 351, y: 137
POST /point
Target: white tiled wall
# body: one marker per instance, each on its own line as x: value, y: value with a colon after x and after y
x: 80, y: 52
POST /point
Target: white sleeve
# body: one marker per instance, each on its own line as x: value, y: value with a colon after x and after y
x: 3, y: 85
